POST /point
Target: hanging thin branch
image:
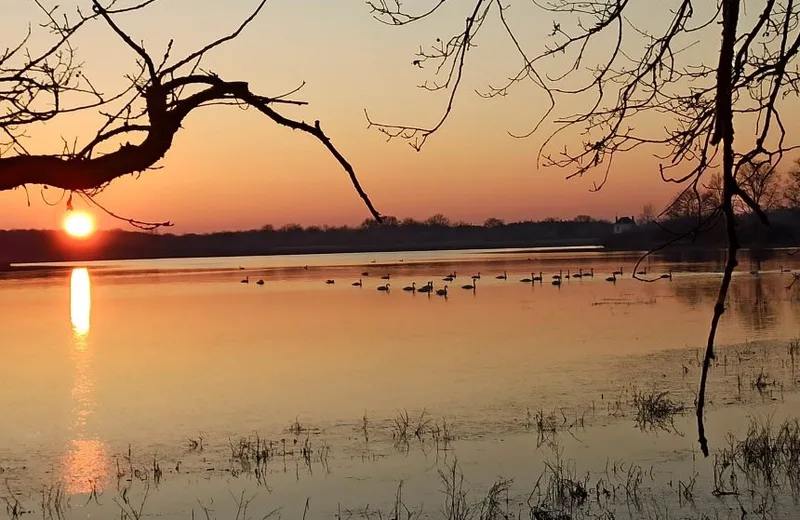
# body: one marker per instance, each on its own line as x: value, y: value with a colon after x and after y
x: 646, y: 89
x: 141, y: 120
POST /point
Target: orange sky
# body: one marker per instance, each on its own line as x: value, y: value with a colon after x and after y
x: 230, y: 169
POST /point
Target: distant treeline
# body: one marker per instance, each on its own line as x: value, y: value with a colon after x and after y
x: 393, y: 235
x: 700, y: 231
x: 438, y: 232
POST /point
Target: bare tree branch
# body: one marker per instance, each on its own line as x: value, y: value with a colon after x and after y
x: 646, y: 88
x: 141, y: 120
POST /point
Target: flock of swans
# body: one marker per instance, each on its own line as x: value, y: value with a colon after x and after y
x: 472, y: 284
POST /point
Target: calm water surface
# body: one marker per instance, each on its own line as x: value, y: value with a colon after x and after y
x: 105, y: 356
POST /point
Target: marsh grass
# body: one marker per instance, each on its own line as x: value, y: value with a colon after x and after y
x: 656, y: 411
x: 421, y: 428
x: 252, y: 455
x: 457, y: 504
x: 767, y: 457
x: 14, y: 508
x: 400, y: 510
x: 547, y: 425
x: 195, y: 444
x: 55, y: 501
x: 242, y: 505
x: 559, y: 492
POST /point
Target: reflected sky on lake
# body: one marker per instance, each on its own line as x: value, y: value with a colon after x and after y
x: 151, y: 357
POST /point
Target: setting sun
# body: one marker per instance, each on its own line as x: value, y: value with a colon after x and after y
x: 78, y: 224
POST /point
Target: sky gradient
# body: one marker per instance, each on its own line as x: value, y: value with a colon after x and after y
x: 231, y: 169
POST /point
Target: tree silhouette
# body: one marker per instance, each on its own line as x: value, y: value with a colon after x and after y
x: 139, y: 121
x: 648, y: 214
x: 792, y: 191
x: 492, y: 222
x: 646, y: 86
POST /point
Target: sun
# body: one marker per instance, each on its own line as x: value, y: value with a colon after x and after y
x: 78, y: 224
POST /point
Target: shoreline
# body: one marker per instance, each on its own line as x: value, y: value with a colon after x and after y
x: 55, y: 264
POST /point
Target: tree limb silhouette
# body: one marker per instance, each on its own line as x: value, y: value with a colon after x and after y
x: 141, y: 121
x: 646, y: 87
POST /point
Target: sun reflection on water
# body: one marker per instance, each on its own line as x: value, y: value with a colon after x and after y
x: 80, y: 302
x: 85, y: 465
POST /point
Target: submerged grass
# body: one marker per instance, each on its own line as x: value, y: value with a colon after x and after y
x: 656, y: 411
x: 767, y: 456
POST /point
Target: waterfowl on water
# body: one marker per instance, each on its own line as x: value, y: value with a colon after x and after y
x: 428, y: 288
x: 358, y: 283
x: 503, y: 276
x: 386, y: 276
x: 383, y: 287
x: 442, y: 292
x: 411, y: 288
x: 260, y: 282
x: 528, y: 280
x: 329, y: 282
x: 612, y: 278
x: 246, y: 279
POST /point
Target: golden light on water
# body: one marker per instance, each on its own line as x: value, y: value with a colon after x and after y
x: 85, y: 464
x: 80, y: 300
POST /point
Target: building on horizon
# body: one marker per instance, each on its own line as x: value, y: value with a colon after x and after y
x: 624, y: 224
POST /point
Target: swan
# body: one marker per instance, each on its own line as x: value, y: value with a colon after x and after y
x: 528, y: 280
x: 246, y: 279
x: 442, y: 292
x: 476, y: 276
x: 386, y: 276
x: 357, y: 284
x: 669, y: 276
x: 612, y: 278
x: 428, y: 288
x: 384, y: 287
x: 470, y: 286
x: 365, y: 273
x: 411, y: 288
x: 260, y: 282
x: 329, y: 282
x: 503, y: 276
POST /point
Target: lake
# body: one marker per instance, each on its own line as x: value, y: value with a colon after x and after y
x: 170, y: 388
